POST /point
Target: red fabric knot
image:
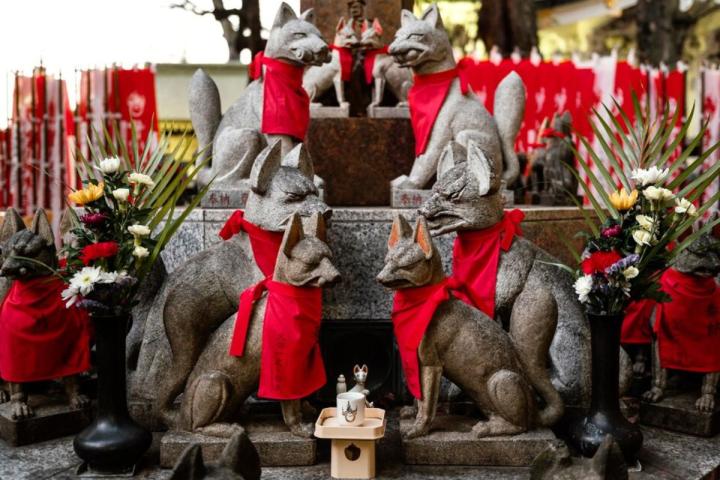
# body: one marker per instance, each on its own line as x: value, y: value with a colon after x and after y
x: 286, y: 104
x: 346, y: 61
x: 255, y: 67
x: 476, y: 255
x: 370, y: 57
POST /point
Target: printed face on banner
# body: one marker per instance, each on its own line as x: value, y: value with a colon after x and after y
x: 136, y: 104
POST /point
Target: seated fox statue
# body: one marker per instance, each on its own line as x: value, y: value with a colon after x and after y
x: 40, y: 339
x: 438, y: 334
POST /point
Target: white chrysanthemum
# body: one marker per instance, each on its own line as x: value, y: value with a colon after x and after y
x: 645, y: 222
x: 141, y: 179
x: 108, y: 277
x: 642, y: 237
x: 121, y: 194
x: 109, y: 165
x: 658, y: 194
x: 141, y: 252
x: 583, y: 287
x: 70, y: 296
x: 139, y: 230
x: 84, y: 281
x: 650, y: 176
x: 684, y: 206
x: 631, y: 272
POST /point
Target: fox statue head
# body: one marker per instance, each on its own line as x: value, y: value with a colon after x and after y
x: 412, y: 259
x: 305, y: 259
x: 465, y: 196
x: 371, y: 34
x: 296, y: 40
x: 281, y: 187
x: 360, y: 374
x: 701, y: 257
x: 238, y: 461
x: 27, y: 253
x: 345, y: 35
x: 422, y: 43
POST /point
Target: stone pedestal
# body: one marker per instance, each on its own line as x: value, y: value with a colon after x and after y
x: 408, y: 198
x: 388, y: 112
x: 53, y: 419
x: 225, y: 197
x: 275, y: 444
x: 678, y: 413
x: 452, y: 442
x: 321, y: 111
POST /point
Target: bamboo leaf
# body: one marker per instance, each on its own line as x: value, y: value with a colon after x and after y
x: 611, y: 157
x: 596, y: 206
x: 599, y: 187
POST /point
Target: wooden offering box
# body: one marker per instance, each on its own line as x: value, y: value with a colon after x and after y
x: 353, y: 448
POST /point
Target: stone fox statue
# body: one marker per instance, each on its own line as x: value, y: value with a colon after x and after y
x: 239, y: 461
x: 220, y: 383
x: 40, y: 339
x: 234, y: 138
x: 204, y: 291
x: 423, y: 45
x: 500, y: 371
x: 466, y: 198
x: 687, y: 317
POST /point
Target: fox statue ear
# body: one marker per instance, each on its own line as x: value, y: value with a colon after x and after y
x: 41, y: 227
x: 308, y: 15
x: 340, y: 25
x: 356, y: 368
x: 12, y: 224
x: 190, y: 466
x: 284, y: 15
x: 432, y: 16
x: 293, y: 235
x: 406, y: 18
x: 400, y: 229
x: 423, y: 238
x: 377, y: 27
x: 452, y: 155
x: 317, y: 226
x: 265, y: 167
x: 241, y: 457
x: 364, y: 368
x: 299, y: 158
x: 479, y: 167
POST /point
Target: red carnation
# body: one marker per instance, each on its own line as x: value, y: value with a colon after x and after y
x: 597, y: 262
x: 98, y: 250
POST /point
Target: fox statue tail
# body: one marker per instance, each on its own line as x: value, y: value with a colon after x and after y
x: 205, y: 113
x: 532, y: 336
x: 509, y: 109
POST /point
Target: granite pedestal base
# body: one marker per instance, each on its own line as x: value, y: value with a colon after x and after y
x: 408, y: 198
x: 226, y: 197
x: 319, y: 111
x: 388, y: 112
x: 275, y: 444
x: 54, y: 418
x: 678, y: 413
x: 452, y: 442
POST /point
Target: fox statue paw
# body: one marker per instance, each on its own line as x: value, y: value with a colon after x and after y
x: 706, y: 403
x: 21, y: 410
x: 79, y: 402
x: 403, y: 182
x: 302, y: 430
x: 655, y: 394
x: 408, y: 412
x: 420, y: 428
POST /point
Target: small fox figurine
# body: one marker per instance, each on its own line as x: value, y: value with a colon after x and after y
x: 385, y: 71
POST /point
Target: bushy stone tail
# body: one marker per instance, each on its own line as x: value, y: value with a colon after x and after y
x: 532, y: 335
x: 205, y: 110
x: 509, y: 109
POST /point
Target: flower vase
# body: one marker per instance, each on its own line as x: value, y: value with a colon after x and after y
x: 604, y: 416
x: 113, y: 443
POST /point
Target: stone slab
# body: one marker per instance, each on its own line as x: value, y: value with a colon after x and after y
x: 53, y: 419
x: 321, y: 111
x: 276, y: 446
x: 408, y: 198
x: 452, y: 442
x: 678, y: 413
x: 225, y: 198
x: 388, y: 112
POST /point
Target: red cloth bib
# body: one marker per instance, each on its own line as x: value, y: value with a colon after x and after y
x: 286, y: 104
x: 291, y: 366
x: 255, y: 67
x: 636, y: 328
x: 413, y: 309
x: 426, y: 97
x: 346, y: 62
x: 475, y: 260
x: 688, y: 327
x: 40, y: 339
x: 370, y: 56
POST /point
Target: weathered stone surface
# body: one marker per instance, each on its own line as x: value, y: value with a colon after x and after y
x: 329, y: 112
x: 678, y: 413
x: 53, y: 418
x: 408, y: 197
x: 388, y: 112
x: 452, y: 442
x: 358, y: 157
x: 274, y: 443
x: 226, y: 197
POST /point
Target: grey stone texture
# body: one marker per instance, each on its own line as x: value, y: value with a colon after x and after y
x: 679, y: 413
x: 408, y: 197
x: 374, y: 111
x: 556, y: 463
x: 320, y: 111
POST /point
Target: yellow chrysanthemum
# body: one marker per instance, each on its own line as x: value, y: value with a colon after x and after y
x: 622, y: 201
x: 87, y: 195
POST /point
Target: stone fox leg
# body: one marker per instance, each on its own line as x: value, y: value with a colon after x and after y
x: 512, y: 404
x: 706, y: 402
x: 292, y: 415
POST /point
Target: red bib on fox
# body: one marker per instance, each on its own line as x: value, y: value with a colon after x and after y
x: 688, y: 327
x: 475, y: 260
x: 370, y: 56
x: 346, y: 62
x: 426, y: 97
x: 636, y: 328
x: 413, y: 309
x: 286, y: 104
x: 40, y: 339
x: 290, y: 365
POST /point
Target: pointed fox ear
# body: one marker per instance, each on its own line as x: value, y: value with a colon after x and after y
x: 308, y: 15
x: 432, y: 16
x: 41, y: 227
x: 364, y: 368
x: 284, y: 15
x: 356, y: 368
x: 293, y: 235
x: 317, y: 226
x: 423, y: 238
x: 299, y: 158
x: 265, y: 167
x: 241, y: 457
x: 377, y: 27
x: 400, y: 229
x: 479, y: 167
x: 452, y: 154
x: 190, y: 466
x: 340, y: 25
x: 12, y: 224
x: 406, y: 18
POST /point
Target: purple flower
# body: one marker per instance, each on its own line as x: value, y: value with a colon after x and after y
x: 623, y: 263
x: 93, y: 219
x: 611, y: 232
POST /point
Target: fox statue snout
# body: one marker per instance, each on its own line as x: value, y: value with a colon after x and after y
x: 296, y: 39
x: 420, y: 40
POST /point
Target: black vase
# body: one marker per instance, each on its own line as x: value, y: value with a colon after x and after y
x: 113, y: 443
x: 604, y: 416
